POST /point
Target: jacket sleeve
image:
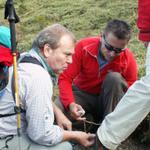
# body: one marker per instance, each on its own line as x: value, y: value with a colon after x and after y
x: 128, y: 114
x: 65, y: 80
x: 130, y: 71
x: 143, y: 21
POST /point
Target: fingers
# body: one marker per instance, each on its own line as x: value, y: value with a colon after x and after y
x: 85, y: 139
x: 91, y: 136
x: 80, y: 111
x: 65, y: 123
x: 77, y: 111
x: 76, y: 117
x: 89, y: 143
x: 90, y: 140
x: 81, y: 118
x: 66, y: 126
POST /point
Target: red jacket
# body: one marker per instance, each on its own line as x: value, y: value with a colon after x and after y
x: 5, y: 56
x: 85, y: 71
x: 143, y: 21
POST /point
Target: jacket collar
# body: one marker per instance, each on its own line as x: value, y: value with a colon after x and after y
x: 93, y: 47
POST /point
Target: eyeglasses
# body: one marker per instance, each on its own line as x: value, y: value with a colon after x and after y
x: 111, y: 48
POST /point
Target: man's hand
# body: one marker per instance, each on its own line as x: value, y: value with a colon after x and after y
x: 64, y: 122
x: 77, y: 111
x: 85, y: 139
x: 61, y: 119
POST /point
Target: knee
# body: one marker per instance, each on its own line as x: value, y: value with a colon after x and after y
x: 114, y: 77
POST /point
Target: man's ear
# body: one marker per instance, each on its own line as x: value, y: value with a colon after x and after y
x: 47, y: 50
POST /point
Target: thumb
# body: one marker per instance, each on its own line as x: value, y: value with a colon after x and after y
x: 91, y: 136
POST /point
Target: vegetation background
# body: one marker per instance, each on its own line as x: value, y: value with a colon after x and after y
x: 83, y: 18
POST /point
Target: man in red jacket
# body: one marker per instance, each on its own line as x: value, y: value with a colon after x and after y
x: 102, y: 70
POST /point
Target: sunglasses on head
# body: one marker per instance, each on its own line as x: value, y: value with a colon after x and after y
x: 111, y: 48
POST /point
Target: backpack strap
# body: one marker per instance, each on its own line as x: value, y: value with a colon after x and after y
x: 30, y: 59
x: 26, y: 59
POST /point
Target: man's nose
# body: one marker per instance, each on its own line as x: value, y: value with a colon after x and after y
x: 69, y: 59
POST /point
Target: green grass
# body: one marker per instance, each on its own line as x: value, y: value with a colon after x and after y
x: 82, y: 17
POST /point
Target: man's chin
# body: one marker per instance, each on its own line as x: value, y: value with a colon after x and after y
x: 59, y: 71
x: 110, y: 59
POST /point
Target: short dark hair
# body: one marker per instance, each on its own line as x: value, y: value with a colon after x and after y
x: 118, y: 28
x: 51, y: 35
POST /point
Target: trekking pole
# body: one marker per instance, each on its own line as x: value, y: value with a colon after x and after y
x: 12, y: 17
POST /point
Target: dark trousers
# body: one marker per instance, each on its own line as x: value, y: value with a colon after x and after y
x: 98, y: 106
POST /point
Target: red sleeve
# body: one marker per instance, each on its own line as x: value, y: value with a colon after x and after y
x: 143, y: 21
x: 131, y: 71
x: 66, y: 78
x: 6, y: 57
